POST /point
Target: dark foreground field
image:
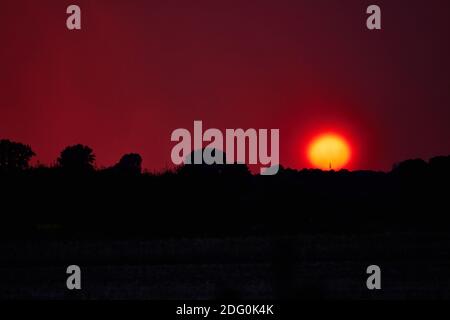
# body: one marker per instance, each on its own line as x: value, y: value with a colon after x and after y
x: 414, y: 266
x: 221, y: 232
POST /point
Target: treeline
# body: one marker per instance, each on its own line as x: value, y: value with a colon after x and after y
x: 122, y: 200
x: 16, y: 156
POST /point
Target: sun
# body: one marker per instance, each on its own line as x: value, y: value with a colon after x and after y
x: 329, y: 151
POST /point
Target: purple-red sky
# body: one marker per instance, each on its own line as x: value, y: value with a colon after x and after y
x: 140, y: 69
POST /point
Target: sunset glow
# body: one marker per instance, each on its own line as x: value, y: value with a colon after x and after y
x: 329, y: 151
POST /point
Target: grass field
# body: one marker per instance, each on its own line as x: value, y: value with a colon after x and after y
x: 256, y: 267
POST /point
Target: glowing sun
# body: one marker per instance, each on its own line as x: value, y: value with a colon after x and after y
x: 329, y: 151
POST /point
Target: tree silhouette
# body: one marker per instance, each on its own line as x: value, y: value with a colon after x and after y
x: 130, y: 164
x: 440, y: 165
x: 411, y: 169
x: 230, y: 170
x: 77, y: 158
x: 14, y: 155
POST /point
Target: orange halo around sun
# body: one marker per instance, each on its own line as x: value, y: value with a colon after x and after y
x: 329, y: 151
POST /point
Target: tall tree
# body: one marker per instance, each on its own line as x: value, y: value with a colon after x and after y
x: 14, y: 155
x: 77, y: 158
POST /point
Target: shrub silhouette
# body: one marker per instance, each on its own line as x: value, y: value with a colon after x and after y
x: 14, y: 156
x: 130, y: 164
x: 440, y: 165
x: 77, y: 158
x: 203, y: 169
x: 413, y: 168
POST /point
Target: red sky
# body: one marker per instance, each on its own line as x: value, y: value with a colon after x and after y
x: 140, y: 69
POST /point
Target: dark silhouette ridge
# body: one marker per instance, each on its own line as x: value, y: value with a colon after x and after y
x: 212, y: 170
x: 300, y: 234
x: 122, y: 200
